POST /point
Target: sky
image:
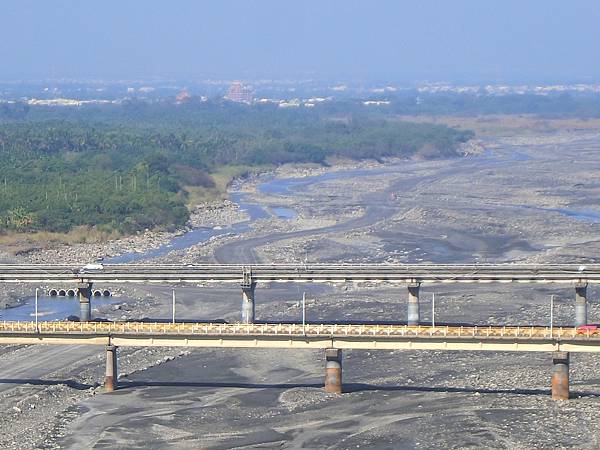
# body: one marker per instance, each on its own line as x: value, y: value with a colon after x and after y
x: 370, y: 40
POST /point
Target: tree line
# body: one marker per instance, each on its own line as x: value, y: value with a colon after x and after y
x: 128, y: 168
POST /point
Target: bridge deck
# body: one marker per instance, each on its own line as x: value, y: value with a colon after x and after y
x: 328, y: 273
x: 293, y: 335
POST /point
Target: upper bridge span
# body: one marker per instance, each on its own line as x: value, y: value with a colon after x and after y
x: 247, y: 276
x: 316, y: 273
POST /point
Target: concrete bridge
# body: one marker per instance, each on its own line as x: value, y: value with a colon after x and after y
x: 332, y: 338
x: 412, y: 276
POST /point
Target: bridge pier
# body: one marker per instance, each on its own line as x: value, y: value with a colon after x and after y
x: 85, y: 301
x: 581, y: 304
x: 248, y: 285
x: 248, y: 308
x: 413, y: 304
x: 110, y: 378
x: 333, y: 371
x: 560, y: 376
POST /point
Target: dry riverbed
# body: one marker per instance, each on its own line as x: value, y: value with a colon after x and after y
x: 503, y: 206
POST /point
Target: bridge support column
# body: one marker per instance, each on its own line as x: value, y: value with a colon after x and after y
x: 248, y: 302
x: 560, y: 376
x: 110, y: 379
x: 85, y: 301
x: 413, y: 304
x: 580, y: 304
x: 333, y: 371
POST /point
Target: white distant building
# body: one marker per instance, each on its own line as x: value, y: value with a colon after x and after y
x: 64, y: 102
x: 266, y: 101
x: 376, y: 102
x: 295, y: 103
x: 319, y: 99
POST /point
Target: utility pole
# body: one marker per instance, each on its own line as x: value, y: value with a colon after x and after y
x: 173, y: 305
x: 551, y: 314
x: 36, y: 311
x: 304, y: 313
x: 433, y: 310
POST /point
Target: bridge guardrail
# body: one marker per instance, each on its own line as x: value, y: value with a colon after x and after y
x: 295, y: 329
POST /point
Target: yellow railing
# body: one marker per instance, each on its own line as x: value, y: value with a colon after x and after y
x: 295, y: 329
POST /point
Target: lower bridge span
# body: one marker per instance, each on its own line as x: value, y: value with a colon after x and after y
x: 296, y: 336
x: 333, y: 338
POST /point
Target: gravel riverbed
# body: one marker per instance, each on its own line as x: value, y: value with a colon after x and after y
x: 498, y: 209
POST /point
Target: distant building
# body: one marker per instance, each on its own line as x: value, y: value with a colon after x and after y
x: 240, y: 93
x: 266, y: 101
x: 183, y: 96
x: 66, y: 102
x: 294, y: 103
x: 376, y: 102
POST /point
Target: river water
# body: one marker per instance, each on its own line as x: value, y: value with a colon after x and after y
x: 283, y: 187
x: 56, y: 308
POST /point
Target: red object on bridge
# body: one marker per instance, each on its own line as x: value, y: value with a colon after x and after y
x: 584, y: 329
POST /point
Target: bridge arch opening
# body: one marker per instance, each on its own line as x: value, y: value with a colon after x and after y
x: 71, y: 292
x: 106, y: 293
x: 97, y: 293
x: 52, y: 292
x: 62, y: 293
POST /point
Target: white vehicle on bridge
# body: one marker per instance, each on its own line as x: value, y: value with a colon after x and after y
x: 91, y: 268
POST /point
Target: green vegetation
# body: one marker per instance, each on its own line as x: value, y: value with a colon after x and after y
x: 131, y: 167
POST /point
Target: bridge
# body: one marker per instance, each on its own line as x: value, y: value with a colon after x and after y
x: 332, y: 338
x: 411, y: 275
x: 327, y: 273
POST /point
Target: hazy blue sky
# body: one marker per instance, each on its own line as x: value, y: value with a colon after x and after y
x: 459, y: 40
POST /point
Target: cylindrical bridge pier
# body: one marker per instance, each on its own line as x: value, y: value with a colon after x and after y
x: 85, y: 301
x: 248, y: 307
x: 581, y: 304
x: 333, y: 371
x: 248, y: 285
x: 413, y: 304
x: 560, y: 376
x: 110, y: 379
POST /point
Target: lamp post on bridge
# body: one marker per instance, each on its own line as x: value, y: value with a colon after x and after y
x: 36, y: 310
x: 173, y: 305
x: 433, y: 310
x: 304, y: 313
x: 551, y: 315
